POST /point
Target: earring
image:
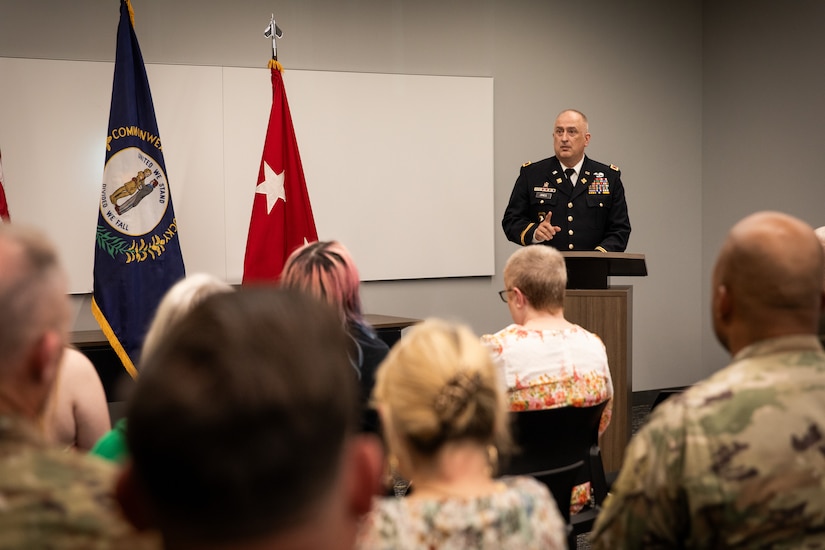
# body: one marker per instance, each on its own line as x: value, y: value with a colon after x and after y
x: 394, y: 479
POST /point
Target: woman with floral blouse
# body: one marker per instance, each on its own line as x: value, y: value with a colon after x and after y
x: 544, y: 360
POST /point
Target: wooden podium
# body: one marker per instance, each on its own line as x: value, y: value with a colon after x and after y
x: 607, y: 311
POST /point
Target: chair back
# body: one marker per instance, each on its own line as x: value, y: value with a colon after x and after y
x: 557, y: 439
x: 560, y: 481
x: 552, y: 438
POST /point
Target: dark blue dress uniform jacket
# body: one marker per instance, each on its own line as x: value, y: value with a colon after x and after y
x: 592, y: 215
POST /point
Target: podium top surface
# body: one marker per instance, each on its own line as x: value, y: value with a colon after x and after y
x: 617, y: 263
x: 597, y: 254
x: 593, y: 268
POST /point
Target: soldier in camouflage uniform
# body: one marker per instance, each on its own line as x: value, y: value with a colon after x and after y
x: 49, y: 498
x: 739, y: 459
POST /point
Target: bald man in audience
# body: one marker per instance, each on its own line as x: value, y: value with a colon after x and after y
x: 738, y: 460
x: 49, y: 498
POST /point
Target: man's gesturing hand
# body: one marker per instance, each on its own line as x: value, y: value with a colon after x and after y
x: 545, y: 230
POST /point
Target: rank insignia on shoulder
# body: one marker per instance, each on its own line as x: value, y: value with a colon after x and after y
x: 528, y: 163
x: 614, y: 167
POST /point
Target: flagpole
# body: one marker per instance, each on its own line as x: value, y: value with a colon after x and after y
x: 272, y: 25
x: 274, y: 31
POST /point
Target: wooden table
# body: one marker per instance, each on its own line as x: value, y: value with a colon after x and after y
x: 389, y: 327
x: 115, y: 379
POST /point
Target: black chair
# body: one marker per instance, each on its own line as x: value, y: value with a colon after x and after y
x: 561, y: 481
x: 662, y: 396
x: 555, y: 438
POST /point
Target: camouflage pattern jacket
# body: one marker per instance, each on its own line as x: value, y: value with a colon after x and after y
x: 737, y: 461
x: 55, y: 499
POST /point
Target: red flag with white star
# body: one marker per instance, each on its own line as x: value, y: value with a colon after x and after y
x: 281, y: 213
x: 4, y: 206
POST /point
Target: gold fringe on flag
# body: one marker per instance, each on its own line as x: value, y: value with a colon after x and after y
x: 131, y: 12
x: 275, y: 64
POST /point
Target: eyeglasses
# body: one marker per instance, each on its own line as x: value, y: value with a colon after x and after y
x: 503, y: 294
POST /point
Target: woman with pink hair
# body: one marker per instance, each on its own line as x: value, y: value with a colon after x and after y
x: 326, y: 270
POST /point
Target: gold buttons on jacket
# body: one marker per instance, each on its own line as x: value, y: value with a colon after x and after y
x: 569, y: 205
x: 570, y: 218
x: 570, y: 246
x: 570, y: 232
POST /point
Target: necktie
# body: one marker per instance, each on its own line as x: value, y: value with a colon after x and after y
x: 569, y: 173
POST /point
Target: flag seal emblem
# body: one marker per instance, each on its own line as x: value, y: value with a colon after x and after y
x: 135, y: 195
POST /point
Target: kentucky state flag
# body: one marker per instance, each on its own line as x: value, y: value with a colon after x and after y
x: 137, y: 252
x: 281, y: 214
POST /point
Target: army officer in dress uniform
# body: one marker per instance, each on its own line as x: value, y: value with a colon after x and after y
x: 569, y: 201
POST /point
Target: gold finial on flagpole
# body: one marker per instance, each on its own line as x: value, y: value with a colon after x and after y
x: 274, y: 32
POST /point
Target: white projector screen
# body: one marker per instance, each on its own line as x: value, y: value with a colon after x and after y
x: 398, y: 167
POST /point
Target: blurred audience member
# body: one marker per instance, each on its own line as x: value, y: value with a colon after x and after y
x: 77, y: 413
x: 326, y: 270
x: 242, y: 429
x: 737, y: 460
x: 177, y: 301
x: 444, y: 415
x: 48, y: 498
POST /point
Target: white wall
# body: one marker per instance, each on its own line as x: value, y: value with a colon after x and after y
x: 634, y: 67
x: 379, y: 150
x: 763, y: 121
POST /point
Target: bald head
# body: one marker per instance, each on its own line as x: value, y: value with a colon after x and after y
x: 35, y: 313
x: 570, y: 137
x: 768, y: 278
x: 820, y: 234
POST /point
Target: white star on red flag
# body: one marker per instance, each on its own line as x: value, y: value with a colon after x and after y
x: 272, y: 187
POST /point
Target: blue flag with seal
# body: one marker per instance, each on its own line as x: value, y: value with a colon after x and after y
x: 137, y: 251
